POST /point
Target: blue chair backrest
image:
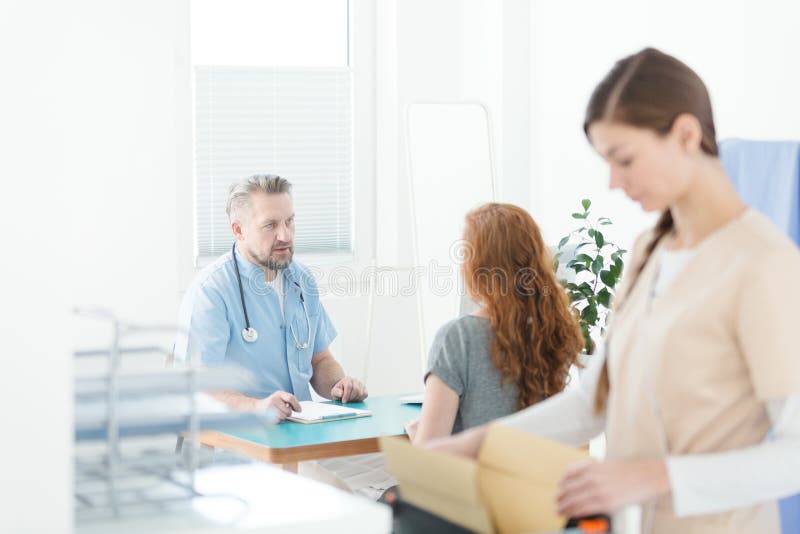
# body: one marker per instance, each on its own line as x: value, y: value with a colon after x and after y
x: 790, y: 514
x: 767, y: 176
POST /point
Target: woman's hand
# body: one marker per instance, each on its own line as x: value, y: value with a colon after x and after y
x: 466, y: 443
x: 411, y: 428
x: 593, y: 487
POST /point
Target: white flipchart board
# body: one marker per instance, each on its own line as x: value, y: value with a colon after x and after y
x: 451, y: 171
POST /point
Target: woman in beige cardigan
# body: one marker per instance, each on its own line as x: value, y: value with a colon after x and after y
x: 702, y: 357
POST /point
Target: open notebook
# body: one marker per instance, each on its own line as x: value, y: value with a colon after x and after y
x: 317, y: 412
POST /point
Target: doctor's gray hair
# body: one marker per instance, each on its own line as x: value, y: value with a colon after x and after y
x: 239, y: 192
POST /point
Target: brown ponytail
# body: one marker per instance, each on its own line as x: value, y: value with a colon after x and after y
x: 650, y: 89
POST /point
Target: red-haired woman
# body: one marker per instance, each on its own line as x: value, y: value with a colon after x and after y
x: 517, y: 348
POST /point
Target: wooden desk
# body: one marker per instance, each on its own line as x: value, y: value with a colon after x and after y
x: 288, y: 442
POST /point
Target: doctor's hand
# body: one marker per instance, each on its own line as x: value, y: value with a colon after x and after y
x: 349, y: 389
x: 280, y: 404
x: 592, y: 487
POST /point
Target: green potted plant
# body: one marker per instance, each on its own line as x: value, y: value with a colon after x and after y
x: 595, y: 265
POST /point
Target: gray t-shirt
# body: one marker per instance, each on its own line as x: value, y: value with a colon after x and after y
x: 460, y: 357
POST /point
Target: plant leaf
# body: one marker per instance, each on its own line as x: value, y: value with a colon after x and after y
x: 563, y: 241
x: 576, y: 297
x: 586, y: 203
x: 608, y: 279
x: 579, y: 215
x: 599, y: 239
x: 597, y: 264
x: 587, y: 338
x: 586, y: 289
x: 589, y: 314
x: 619, y: 265
x: 585, y: 258
x: 604, y: 297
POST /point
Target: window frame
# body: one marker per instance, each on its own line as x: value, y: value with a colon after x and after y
x: 361, y: 58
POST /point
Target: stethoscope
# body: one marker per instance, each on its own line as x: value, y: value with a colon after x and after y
x: 249, y: 334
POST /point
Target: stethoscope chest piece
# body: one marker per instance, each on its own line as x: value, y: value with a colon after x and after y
x: 249, y: 334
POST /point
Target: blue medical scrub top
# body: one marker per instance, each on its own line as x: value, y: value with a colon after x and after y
x: 211, y: 321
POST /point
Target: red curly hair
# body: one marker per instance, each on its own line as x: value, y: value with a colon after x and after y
x: 510, y: 271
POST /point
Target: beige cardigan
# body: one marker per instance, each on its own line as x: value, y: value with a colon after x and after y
x: 691, y: 370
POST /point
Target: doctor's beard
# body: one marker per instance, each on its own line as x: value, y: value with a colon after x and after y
x: 271, y: 262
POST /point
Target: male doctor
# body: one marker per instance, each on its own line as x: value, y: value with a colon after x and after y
x: 256, y: 308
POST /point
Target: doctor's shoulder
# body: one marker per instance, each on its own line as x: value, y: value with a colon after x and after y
x: 216, y: 271
x: 213, y: 276
x: 204, y: 300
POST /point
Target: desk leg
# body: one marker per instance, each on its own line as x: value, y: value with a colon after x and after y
x: 291, y: 467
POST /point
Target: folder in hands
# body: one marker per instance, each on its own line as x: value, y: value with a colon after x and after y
x: 510, y: 488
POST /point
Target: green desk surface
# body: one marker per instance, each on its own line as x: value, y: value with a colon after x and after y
x: 388, y: 418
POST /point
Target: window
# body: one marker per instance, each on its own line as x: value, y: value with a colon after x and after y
x: 273, y: 94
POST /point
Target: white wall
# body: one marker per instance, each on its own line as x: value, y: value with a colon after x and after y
x: 89, y: 142
x: 125, y: 147
x: 746, y: 53
x: 35, y: 392
x: 449, y: 50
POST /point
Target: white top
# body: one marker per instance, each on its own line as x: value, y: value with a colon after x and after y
x: 670, y: 264
x: 701, y: 483
x: 277, y: 286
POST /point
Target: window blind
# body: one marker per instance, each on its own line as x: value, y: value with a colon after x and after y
x: 293, y: 122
